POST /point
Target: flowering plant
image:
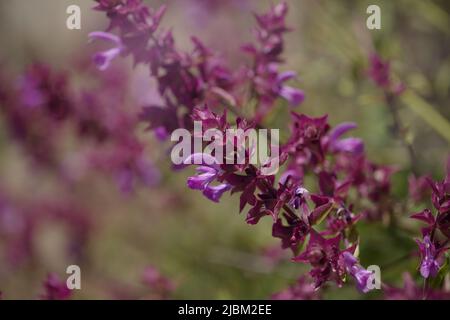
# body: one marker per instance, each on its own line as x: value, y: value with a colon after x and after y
x: 326, y: 187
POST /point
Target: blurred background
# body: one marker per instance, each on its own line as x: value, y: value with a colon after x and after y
x: 207, y: 250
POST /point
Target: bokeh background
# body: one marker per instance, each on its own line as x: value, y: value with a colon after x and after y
x: 207, y: 249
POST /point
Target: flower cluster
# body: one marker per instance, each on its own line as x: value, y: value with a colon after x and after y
x: 42, y: 110
x: 326, y: 186
x: 380, y: 73
x: 199, y: 81
x: 184, y: 79
x: 44, y: 105
x: 266, y: 81
x: 436, y: 233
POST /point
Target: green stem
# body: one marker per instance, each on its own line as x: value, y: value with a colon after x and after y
x: 399, y: 131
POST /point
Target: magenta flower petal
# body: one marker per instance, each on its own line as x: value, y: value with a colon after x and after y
x: 215, y: 193
x: 429, y: 265
x: 287, y: 75
x: 103, y: 59
x: 292, y: 95
x: 199, y: 182
x: 352, y: 145
x: 362, y: 276
x: 106, y: 36
x: 341, y: 129
x: 203, y: 159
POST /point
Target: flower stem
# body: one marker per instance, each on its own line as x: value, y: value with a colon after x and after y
x: 399, y: 131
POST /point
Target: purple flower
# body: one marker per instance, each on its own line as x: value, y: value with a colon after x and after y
x: 379, y: 71
x: 427, y: 217
x: 269, y: 84
x: 351, y: 145
x: 300, y: 197
x: 343, y: 219
x: 266, y: 80
x: 207, y: 173
x: 55, y: 288
x: 214, y: 193
x: 361, y: 275
x: 292, y: 95
x: 304, y: 144
x: 291, y: 235
x: 303, y: 289
x: 204, y: 177
x: 307, y: 132
x: 103, y: 59
x: 441, y: 201
x: 323, y: 255
x: 431, y: 248
x: 429, y: 265
x: 272, y: 24
x: 372, y: 181
x: 186, y: 80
